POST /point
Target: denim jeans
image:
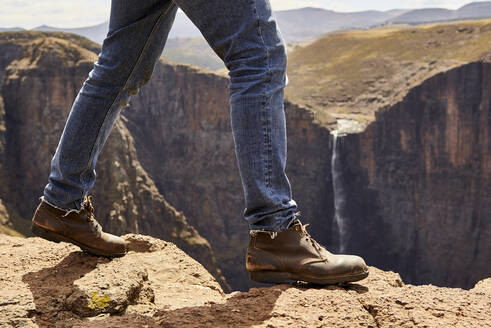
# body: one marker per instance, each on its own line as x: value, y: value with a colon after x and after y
x: 245, y: 36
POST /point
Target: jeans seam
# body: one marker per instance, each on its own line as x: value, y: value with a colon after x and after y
x: 267, y: 110
x: 138, y: 61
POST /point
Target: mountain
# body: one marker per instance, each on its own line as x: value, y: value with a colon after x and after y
x: 473, y: 10
x: 95, y: 33
x: 296, y: 25
x: 182, y: 28
x: 426, y: 15
x: 308, y: 23
x: 7, y: 29
x: 413, y: 115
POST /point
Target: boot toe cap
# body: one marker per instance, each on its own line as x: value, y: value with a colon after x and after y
x: 358, y: 265
x: 115, y: 245
x: 351, y: 264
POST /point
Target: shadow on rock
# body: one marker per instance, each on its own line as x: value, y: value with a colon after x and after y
x: 360, y: 289
x: 52, y: 286
x: 244, y: 309
x: 241, y: 310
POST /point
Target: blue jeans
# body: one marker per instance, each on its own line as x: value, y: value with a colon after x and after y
x: 244, y: 35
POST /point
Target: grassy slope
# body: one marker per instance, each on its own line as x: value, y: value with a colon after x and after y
x: 22, y: 37
x: 353, y: 74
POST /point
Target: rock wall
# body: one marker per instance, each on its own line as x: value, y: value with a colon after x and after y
x: 418, y: 181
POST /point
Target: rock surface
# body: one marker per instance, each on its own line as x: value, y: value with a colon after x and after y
x: 157, y: 285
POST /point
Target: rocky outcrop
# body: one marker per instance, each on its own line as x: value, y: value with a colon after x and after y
x: 55, y: 285
x: 418, y: 181
x: 52, y: 67
x: 157, y: 285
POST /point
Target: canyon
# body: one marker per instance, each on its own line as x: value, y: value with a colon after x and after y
x: 415, y: 176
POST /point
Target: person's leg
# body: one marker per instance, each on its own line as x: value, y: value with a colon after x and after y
x: 244, y: 34
x: 137, y: 34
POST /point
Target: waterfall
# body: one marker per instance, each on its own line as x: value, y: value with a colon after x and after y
x: 339, y: 197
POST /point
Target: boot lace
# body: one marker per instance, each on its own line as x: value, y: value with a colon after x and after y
x: 314, y: 243
x: 89, y: 208
x: 303, y: 228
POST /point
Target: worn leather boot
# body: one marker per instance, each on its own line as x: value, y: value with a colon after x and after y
x: 76, y: 227
x: 293, y: 255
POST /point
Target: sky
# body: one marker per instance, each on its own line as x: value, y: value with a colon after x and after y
x: 76, y: 13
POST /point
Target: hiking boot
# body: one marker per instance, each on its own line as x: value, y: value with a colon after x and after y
x: 293, y: 255
x: 77, y: 227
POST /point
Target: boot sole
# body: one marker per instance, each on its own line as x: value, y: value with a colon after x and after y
x: 57, y: 238
x: 276, y: 277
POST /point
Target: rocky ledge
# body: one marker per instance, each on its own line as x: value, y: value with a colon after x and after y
x: 157, y: 285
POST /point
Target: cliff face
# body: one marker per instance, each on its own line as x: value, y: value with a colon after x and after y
x: 157, y: 285
x: 418, y: 181
x: 40, y: 83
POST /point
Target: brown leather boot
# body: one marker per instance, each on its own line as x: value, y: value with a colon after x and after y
x: 76, y: 227
x: 293, y: 255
